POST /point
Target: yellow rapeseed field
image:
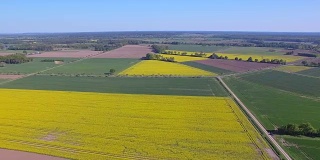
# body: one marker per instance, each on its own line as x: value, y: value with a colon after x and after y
x: 287, y: 58
x: 85, y: 126
x: 178, y: 58
x: 292, y: 69
x: 154, y: 67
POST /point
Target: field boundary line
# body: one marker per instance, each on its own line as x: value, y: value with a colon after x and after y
x: 255, y: 120
x: 282, y: 90
x: 246, y: 130
x: 298, y: 74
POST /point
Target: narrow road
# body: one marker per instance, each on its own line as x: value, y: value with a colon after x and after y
x: 258, y: 124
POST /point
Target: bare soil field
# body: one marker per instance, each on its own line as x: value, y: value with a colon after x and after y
x: 19, y: 155
x: 67, y: 54
x: 5, y: 54
x: 128, y: 51
x: 4, y: 76
x: 236, y: 66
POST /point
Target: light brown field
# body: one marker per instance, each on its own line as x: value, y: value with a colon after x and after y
x: 128, y: 51
x: 19, y: 155
x: 67, y: 54
x: 4, y: 76
x: 5, y: 54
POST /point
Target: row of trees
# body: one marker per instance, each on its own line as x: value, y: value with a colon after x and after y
x: 195, y: 54
x: 15, y: 59
x: 215, y: 56
x: 250, y: 59
x: 274, y: 61
x: 304, y: 129
x: 152, y: 56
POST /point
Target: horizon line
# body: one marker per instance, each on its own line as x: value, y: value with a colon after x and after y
x: 155, y: 31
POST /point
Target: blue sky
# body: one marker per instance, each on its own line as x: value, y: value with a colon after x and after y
x: 20, y: 16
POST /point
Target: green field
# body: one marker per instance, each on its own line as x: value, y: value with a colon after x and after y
x: 158, y: 86
x: 274, y: 107
x: 251, y: 51
x: 219, y: 71
x: 306, y: 86
x: 196, y: 48
x: 94, y: 66
x: 3, y: 80
x: 298, y: 147
x: 311, y: 72
x: 31, y: 67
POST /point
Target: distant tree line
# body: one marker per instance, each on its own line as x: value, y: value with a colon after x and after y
x: 304, y: 129
x: 215, y: 56
x: 104, y: 41
x: 15, y: 59
x: 253, y: 44
x: 152, y: 56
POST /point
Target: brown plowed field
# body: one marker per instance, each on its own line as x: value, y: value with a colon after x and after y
x: 4, y: 54
x: 19, y: 155
x: 236, y: 66
x: 128, y: 51
x: 67, y: 54
x: 4, y: 76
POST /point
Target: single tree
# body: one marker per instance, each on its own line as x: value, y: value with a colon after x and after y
x: 112, y: 71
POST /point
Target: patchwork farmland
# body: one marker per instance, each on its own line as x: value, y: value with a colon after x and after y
x: 113, y: 100
x: 169, y: 89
